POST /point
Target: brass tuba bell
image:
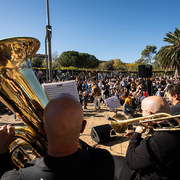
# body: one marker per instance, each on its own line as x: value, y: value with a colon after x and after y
x: 21, y: 92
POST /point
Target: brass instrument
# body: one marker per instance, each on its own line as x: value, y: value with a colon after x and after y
x: 21, y: 92
x: 120, y: 124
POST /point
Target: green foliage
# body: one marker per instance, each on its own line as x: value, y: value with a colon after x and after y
x: 35, y: 62
x: 44, y: 63
x: 169, y: 55
x: 119, y: 65
x: 109, y: 65
x: 55, y: 59
x: 141, y: 61
x: 80, y: 60
x: 148, y: 53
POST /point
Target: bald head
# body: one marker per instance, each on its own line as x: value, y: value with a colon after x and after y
x: 63, y: 119
x: 155, y: 104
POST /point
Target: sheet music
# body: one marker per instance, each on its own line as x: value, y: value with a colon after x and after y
x: 112, y: 103
x: 53, y: 89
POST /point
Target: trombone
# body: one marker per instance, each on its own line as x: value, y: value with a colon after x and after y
x: 120, y: 124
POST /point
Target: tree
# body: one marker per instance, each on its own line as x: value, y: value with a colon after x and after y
x: 169, y: 55
x: 147, y: 53
x: 131, y: 66
x: 119, y: 65
x: 36, y: 62
x: 76, y: 59
x: 55, y: 59
x: 68, y: 58
x: 156, y: 64
x: 141, y: 61
x: 109, y: 65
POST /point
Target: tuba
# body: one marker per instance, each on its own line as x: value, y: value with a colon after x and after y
x: 21, y: 92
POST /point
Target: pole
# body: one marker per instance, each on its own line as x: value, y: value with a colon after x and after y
x: 47, y: 75
x: 48, y: 38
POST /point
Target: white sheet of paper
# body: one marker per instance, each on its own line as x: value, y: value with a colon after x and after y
x: 112, y: 102
x: 53, y: 89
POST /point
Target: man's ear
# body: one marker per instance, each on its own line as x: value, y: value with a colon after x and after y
x: 175, y: 96
x: 41, y: 128
x: 83, y: 126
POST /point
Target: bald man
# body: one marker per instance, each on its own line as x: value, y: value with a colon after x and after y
x: 63, y: 121
x: 157, y: 156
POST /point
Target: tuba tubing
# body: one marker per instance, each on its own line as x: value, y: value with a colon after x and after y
x: 21, y: 92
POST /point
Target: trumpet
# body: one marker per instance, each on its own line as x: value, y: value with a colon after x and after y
x: 119, y: 122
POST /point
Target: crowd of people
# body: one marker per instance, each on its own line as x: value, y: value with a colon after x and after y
x: 154, y: 157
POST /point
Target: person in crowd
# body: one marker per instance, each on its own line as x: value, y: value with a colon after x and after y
x: 85, y: 99
x: 39, y: 75
x: 81, y: 98
x: 138, y: 91
x: 154, y: 157
x: 96, y: 92
x: 128, y: 86
x: 133, y: 85
x: 166, y: 85
x: 103, y: 89
x: 129, y: 106
x: 84, y: 86
x: 64, y: 158
x: 112, y: 93
x: 158, y: 93
x: 163, y: 83
x: 35, y: 72
x: 123, y: 83
x: 107, y: 88
x: 67, y: 74
x: 54, y: 74
x: 174, y: 98
x: 59, y: 74
x: 39, y: 72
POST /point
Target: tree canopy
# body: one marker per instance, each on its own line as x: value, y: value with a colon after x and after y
x: 76, y: 59
x: 147, y: 54
x: 169, y: 55
x: 35, y: 62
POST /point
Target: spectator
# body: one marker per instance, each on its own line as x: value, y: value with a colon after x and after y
x: 129, y: 106
x: 96, y: 92
x: 174, y: 98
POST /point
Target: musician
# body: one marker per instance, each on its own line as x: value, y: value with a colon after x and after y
x: 97, y: 93
x: 174, y: 98
x: 63, y: 121
x: 154, y: 157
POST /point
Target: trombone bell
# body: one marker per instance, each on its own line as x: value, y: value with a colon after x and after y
x: 119, y: 127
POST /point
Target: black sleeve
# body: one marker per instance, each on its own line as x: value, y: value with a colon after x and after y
x: 5, y: 163
x: 101, y: 158
x: 137, y: 156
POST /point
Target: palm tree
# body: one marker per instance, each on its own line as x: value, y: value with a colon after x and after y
x: 169, y: 55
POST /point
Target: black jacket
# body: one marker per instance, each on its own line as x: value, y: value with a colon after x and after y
x: 156, y: 156
x: 84, y: 164
x: 174, y: 110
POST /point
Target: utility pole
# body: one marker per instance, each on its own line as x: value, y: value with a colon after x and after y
x: 48, y: 41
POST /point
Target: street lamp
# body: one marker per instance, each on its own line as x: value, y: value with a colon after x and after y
x: 48, y: 41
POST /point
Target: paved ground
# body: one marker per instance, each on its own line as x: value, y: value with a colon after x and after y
x: 116, y: 146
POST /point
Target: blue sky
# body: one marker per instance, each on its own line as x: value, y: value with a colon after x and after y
x: 108, y: 29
